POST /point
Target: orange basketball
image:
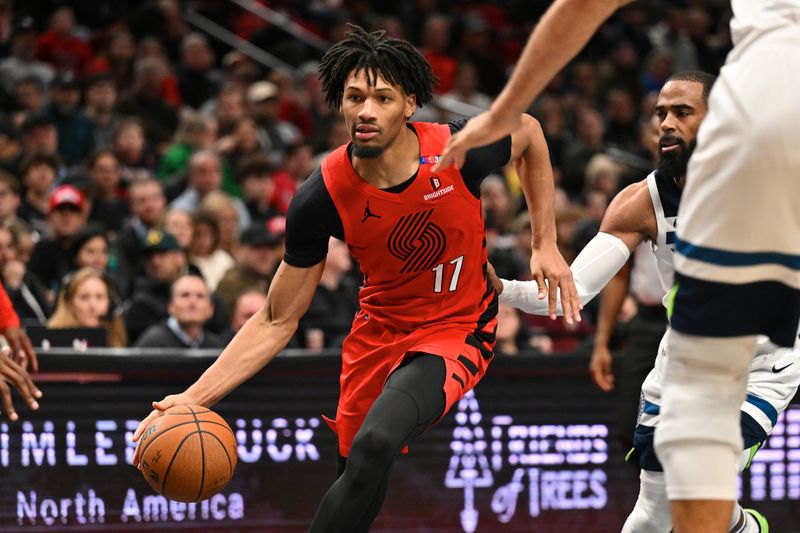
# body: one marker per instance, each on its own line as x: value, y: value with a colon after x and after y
x: 188, y: 453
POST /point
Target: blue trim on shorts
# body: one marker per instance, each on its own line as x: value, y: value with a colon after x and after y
x: 644, y: 451
x: 650, y: 408
x: 765, y: 407
x: 713, y: 309
x: 717, y: 256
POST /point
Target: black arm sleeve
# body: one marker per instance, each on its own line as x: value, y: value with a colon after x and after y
x: 311, y: 220
x: 482, y: 160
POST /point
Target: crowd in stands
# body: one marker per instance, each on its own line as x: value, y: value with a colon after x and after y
x: 146, y: 169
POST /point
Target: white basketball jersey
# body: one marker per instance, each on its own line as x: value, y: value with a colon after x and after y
x: 666, y: 196
x: 753, y: 17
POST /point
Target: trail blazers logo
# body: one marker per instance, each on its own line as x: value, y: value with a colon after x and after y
x: 417, y: 241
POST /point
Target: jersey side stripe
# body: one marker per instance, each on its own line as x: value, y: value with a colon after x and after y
x: 738, y: 259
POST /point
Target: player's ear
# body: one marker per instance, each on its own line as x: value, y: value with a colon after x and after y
x: 411, y: 105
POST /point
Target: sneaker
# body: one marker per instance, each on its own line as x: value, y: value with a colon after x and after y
x: 760, y: 520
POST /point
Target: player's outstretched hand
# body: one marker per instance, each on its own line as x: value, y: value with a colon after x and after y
x: 548, y: 264
x: 480, y: 130
x: 158, y: 408
x: 22, y: 351
x: 12, y: 374
x: 600, y: 368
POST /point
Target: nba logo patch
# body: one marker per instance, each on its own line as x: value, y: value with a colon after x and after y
x: 435, y: 183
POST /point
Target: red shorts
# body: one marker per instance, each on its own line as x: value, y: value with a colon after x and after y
x: 373, y: 351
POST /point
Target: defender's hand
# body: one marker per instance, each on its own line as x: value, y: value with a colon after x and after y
x: 600, y: 368
x: 479, y: 131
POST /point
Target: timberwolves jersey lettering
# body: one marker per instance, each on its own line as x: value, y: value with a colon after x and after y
x: 666, y: 196
x: 422, y: 250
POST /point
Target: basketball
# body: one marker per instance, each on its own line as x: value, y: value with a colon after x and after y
x: 188, y: 453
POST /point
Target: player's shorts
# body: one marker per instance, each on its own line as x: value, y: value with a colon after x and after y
x: 772, y: 383
x: 373, y: 350
x: 738, y: 248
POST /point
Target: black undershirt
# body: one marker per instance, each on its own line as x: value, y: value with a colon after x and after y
x: 313, y: 218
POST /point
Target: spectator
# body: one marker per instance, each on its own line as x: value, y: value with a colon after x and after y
x: 90, y: 249
x: 87, y: 300
x: 602, y: 175
x: 30, y: 94
x: 478, y: 49
x: 195, y: 132
x: 9, y: 197
x: 108, y: 209
x: 38, y: 176
x: 229, y: 108
x: 335, y: 303
x: 100, y: 99
x: 150, y: 47
x: 197, y: 79
x: 622, y: 129
x: 147, y: 206
x: 190, y: 309
x: 275, y: 134
x: 116, y: 61
x: 39, y: 135
x: 464, y: 100
x: 589, y: 141
x: 26, y: 292
x: 295, y: 170
x: 255, y: 176
x: 205, y: 176
x: 165, y: 262
x: 224, y: 208
x: 243, y: 142
x: 137, y: 160
x: 257, y: 258
x: 511, y: 256
x: 10, y: 146
x: 497, y: 204
x: 247, y: 304
x: 290, y: 108
x: 671, y: 36
x: 179, y: 223
x: 511, y: 336
x: 51, y: 258
x: 435, y: 42
x: 204, y: 251
x: 22, y: 63
x: 145, y: 101
x: 74, y: 129
x: 60, y: 47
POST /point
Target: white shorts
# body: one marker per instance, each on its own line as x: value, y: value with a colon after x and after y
x: 772, y: 383
x: 738, y: 238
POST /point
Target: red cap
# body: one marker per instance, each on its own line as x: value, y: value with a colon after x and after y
x: 66, y: 195
x: 277, y: 225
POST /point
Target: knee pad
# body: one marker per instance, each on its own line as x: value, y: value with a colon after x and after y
x: 699, y: 437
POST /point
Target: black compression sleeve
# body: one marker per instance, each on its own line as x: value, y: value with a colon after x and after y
x: 311, y: 220
x: 482, y: 160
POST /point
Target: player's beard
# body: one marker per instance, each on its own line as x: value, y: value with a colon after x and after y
x: 673, y: 165
x: 367, y: 152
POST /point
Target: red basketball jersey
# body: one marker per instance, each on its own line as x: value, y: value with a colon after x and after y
x: 422, y: 251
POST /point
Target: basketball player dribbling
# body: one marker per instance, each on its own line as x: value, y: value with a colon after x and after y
x: 426, y: 328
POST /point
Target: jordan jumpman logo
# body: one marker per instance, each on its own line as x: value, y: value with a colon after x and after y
x: 368, y: 213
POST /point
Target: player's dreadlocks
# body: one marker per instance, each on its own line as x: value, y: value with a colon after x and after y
x: 394, y: 59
